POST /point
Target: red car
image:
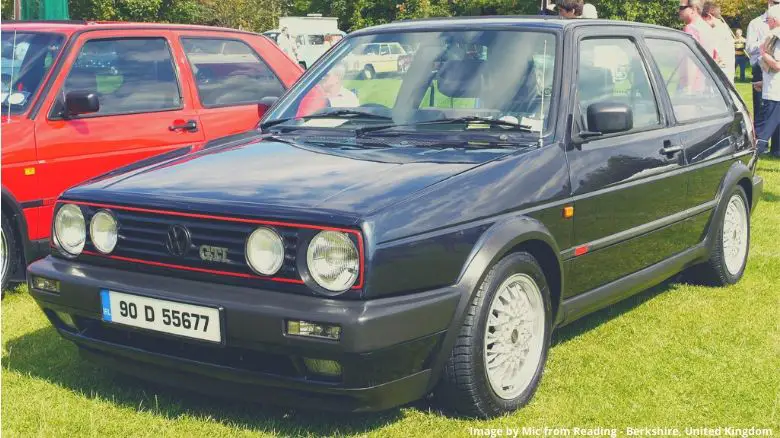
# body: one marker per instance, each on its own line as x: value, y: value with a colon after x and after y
x: 81, y: 99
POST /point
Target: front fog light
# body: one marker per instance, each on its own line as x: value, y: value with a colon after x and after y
x: 70, y: 230
x: 323, y: 367
x: 45, y: 284
x: 314, y: 330
x: 333, y: 261
x: 103, y: 231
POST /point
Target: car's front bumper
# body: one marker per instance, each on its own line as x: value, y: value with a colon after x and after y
x: 385, y: 351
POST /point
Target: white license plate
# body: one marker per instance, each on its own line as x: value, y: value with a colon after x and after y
x: 164, y: 316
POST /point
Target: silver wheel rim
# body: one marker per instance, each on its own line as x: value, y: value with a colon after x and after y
x: 514, y: 336
x: 3, y: 256
x: 735, y: 235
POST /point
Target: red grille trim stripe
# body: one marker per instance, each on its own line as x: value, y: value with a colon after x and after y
x: 357, y: 234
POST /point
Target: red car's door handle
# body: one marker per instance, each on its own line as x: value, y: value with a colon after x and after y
x: 189, y: 125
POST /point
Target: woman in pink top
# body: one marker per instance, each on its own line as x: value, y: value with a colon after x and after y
x: 691, y: 76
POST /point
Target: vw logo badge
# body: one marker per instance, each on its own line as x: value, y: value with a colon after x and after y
x: 178, y: 242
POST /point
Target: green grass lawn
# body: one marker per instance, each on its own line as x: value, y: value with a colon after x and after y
x: 673, y: 356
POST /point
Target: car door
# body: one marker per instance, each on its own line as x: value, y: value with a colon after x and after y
x: 711, y: 128
x: 628, y: 187
x: 231, y: 77
x: 144, y: 110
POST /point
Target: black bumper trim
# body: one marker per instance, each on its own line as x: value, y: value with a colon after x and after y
x: 375, y: 398
x: 758, y: 190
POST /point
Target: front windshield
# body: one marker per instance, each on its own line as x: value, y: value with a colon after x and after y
x: 411, y: 79
x: 26, y: 58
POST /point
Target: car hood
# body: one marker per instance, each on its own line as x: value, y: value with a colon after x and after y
x: 290, y: 174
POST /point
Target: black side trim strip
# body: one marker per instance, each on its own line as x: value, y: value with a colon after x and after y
x: 610, y: 293
x: 641, y: 229
x: 32, y: 204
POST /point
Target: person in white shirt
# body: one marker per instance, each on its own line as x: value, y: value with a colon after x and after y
x: 725, y: 39
x: 589, y: 11
x: 336, y: 94
x: 287, y: 44
x: 757, y: 31
x: 769, y: 53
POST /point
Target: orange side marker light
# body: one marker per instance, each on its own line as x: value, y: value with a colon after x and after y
x: 568, y: 212
x: 580, y: 250
x: 29, y: 171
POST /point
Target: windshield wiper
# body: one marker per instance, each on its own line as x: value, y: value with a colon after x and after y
x: 450, y: 121
x: 328, y: 115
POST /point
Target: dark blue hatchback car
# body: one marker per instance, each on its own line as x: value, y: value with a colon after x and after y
x: 420, y: 231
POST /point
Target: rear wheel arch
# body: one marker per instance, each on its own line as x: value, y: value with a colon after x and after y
x: 747, y: 185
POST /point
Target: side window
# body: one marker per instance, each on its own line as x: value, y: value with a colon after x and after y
x: 229, y: 72
x: 130, y: 75
x: 384, y: 49
x: 611, y: 70
x: 691, y: 88
x: 395, y: 49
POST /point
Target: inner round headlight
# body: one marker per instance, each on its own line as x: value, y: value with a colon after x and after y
x: 265, y: 251
x: 70, y: 229
x: 333, y: 260
x: 103, y: 231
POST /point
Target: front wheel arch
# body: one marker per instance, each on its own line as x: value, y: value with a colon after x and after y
x: 521, y: 233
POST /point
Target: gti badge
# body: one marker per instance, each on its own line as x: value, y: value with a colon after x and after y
x: 178, y: 240
x: 214, y: 254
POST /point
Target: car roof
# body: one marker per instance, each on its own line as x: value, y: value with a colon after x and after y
x: 72, y: 26
x: 550, y: 22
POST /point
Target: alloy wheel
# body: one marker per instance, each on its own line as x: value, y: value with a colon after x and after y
x: 735, y: 235
x: 514, y: 336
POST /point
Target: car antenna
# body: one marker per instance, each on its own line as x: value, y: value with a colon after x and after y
x: 544, y: 75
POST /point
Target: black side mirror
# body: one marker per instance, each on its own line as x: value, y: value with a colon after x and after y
x: 265, y: 104
x: 609, y: 117
x: 81, y: 102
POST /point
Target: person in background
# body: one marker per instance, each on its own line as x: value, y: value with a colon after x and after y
x: 725, y: 39
x: 690, y: 14
x: 336, y: 94
x: 757, y: 31
x: 740, y: 57
x: 589, y: 11
x: 570, y: 8
x: 769, y: 55
x: 287, y: 44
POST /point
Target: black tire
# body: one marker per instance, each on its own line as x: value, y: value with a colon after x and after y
x: 369, y: 72
x: 714, y: 272
x: 11, y: 254
x: 465, y: 388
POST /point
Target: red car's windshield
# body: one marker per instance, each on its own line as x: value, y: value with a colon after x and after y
x: 26, y: 58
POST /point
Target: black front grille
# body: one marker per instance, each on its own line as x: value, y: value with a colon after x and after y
x: 143, y: 235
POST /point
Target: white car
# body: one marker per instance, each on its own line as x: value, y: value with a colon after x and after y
x: 373, y: 58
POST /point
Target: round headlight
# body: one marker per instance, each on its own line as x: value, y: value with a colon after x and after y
x: 333, y: 260
x: 103, y: 231
x: 70, y: 229
x: 265, y: 251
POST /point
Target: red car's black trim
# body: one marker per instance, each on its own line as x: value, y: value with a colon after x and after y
x: 356, y: 233
x: 32, y: 204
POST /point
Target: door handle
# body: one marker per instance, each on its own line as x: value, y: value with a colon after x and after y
x: 670, y: 150
x: 189, y: 125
